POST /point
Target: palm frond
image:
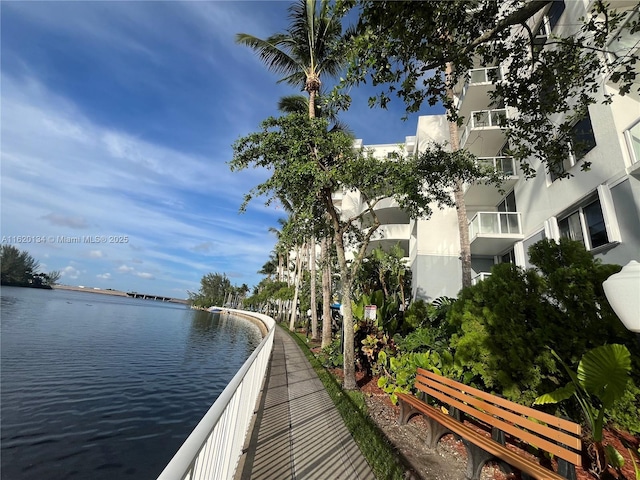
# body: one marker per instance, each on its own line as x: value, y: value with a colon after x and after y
x: 276, y: 59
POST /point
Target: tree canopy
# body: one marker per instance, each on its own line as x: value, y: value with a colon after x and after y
x: 308, y: 164
x: 18, y: 266
x: 550, y: 83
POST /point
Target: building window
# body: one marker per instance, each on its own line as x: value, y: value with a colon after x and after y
x: 508, y: 257
x: 585, y: 225
x: 582, y: 138
x: 633, y: 139
x: 548, y: 24
x: 581, y: 141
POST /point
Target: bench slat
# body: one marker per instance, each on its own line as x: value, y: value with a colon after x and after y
x: 566, y: 425
x: 494, y: 448
x: 490, y: 408
x: 534, y: 440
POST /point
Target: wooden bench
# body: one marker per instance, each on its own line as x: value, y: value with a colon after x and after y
x: 505, y: 419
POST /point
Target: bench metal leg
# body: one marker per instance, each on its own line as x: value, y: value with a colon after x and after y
x: 435, y: 432
x: 406, y: 412
x: 476, y: 458
x: 566, y: 469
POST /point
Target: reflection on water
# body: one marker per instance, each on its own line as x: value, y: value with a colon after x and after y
x: 100, y: 387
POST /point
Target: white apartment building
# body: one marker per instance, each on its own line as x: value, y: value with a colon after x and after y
x: 600, y: 207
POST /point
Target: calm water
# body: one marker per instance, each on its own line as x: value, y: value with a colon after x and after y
x: 101, y: 387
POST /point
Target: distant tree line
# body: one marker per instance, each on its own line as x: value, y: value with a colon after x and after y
x: 216, y: 290
x: 20, y: 269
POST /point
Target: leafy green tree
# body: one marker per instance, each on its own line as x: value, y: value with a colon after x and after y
x: 307, y: 164
x: 420, y: 54
x: 18, y: 267
x: 214, y: 290
x: 309, y: 49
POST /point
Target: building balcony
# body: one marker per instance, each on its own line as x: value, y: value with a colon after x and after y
x: 388, y: 212
x: 472, y: 92
x: 483, y: 135
x: 386, y: 236
x: 478, y: 193
x: 491, y: 233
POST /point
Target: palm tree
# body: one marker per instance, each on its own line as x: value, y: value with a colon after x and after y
x: 306, y: 51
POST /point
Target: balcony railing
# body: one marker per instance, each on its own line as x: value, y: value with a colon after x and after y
x: 479, y: 76
x: 483, y: 119
x: 215, y: 445
x: 623, y: 43
x: 480, y: 277
x: 502, y: 165
x: 495, y: 223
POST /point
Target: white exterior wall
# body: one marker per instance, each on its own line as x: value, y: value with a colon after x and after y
x: 434, y: 247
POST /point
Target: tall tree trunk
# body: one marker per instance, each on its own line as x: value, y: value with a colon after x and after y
x: 312, y: 102
x: 296, y: 291
x: 326, y: 292
x: 348, y: 347
x: 461, y: 206
x: 314, y: 306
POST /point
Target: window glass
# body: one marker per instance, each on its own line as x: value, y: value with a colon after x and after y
x: 571, y: 227
x: 508, y: 204
x: 555, y: 12
x: 508, y: 257
x: 595, y: 223
x: 582, y: 138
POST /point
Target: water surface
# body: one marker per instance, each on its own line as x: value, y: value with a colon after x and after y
x: 102, y: 387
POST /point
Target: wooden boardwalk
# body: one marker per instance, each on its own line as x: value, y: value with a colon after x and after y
x: 298, y: 433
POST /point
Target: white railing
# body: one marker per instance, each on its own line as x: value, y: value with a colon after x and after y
x: 480, y: 277
x: 479, y: 76
x: 502, y: 165
x: 483, y: 119
x: 214, y: 447
x: 495, y: 223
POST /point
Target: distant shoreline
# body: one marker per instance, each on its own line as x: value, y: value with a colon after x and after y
x: 90, y: 290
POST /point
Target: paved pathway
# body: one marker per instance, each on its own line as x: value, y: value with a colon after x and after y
x: 298, y: 433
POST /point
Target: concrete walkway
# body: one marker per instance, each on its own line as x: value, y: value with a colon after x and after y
x: 298, y: 432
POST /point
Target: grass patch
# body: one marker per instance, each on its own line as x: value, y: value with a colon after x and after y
x: 352, y: 407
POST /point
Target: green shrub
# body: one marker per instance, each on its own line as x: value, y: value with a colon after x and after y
x: 331, y: 356
x: 507, y: 323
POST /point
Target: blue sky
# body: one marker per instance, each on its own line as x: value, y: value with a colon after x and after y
x: 117, y: 120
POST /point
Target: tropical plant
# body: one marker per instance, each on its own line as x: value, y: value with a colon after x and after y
x: 601, y: 379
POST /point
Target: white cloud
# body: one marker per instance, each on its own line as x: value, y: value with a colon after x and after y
x: 145, y: 275
x: 104, y: 276
x: 70, y: 272
x: 96, y: 254
x: 125, y: 269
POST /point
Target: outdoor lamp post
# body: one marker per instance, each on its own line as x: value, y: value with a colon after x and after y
x: 623, y: 292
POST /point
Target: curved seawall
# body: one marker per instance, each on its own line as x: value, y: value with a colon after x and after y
x: 215, y: 445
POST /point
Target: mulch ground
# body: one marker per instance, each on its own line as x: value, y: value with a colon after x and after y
x: 449, y: 460
x: 452, y: 451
